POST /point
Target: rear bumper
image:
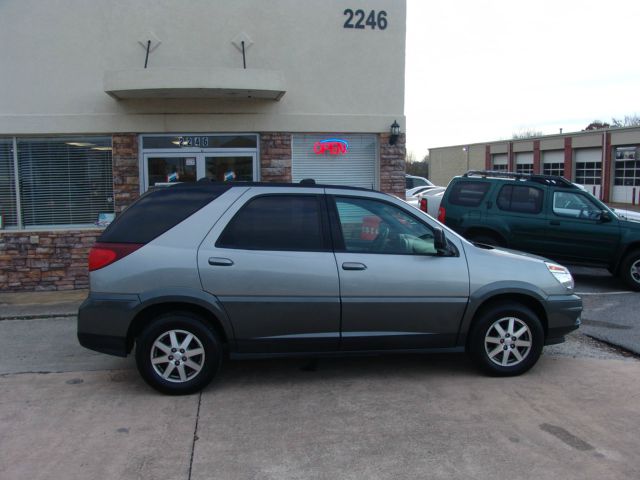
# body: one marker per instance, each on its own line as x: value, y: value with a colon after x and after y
x: 563, y: 316
x: 104, y: 321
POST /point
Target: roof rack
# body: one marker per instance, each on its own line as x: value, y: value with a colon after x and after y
x: 543, y: 179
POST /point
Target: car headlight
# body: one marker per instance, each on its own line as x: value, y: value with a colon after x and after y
x: 561, y: 273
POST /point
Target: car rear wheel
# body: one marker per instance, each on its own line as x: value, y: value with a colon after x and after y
x: 630, y: 270
x: 178, y: 353
x: 507, y: 339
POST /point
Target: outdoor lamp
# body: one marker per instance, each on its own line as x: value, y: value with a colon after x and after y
x: 395, y: 133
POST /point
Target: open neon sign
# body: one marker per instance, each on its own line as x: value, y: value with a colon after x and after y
x: 332, y: 146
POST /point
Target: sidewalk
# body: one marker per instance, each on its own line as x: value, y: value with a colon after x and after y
x: 24, y: 305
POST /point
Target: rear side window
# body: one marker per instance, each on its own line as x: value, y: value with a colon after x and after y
x: 468, y: 194
x: 520, y: 198
x: 276, y: 222
x: 158, y: 211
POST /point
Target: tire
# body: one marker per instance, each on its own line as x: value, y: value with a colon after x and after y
x: 630, y: 270
x: 164, y: 340
x: 486, y: 239
x: 498, y: 354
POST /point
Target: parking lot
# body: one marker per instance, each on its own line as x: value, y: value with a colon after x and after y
x: 67, y: 412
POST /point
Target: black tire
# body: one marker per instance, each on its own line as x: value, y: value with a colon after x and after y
x: 486, y: 239
x: 630, y: 270
x: 484, y: 336
x: 182, y: 377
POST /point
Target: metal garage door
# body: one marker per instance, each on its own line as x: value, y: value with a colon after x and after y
x: 589, y: 169
x: 553, y: 162
x: 524, y: 162
x: 500, y: 162
x: 336, y: 159
x: 626, y: 184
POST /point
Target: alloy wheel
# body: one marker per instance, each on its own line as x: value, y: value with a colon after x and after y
x: 508, y: 341
x: 177, y: 356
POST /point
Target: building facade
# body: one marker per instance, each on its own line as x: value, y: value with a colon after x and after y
x: 103, y: 100
x: 606, y: 162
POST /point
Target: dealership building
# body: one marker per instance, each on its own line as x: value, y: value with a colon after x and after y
x: 606, y: 161
x: 102, y: 100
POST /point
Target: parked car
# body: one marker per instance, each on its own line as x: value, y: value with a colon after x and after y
x: 194, y: 272
x: 413, y: 192
x: 412, y: 181
x: 429, y: 202
x: 545, y: 215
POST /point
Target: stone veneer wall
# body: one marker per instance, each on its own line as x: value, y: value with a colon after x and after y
x: 275, y: 157
x: 392, y: 165
x: 126, y: 173
x: 51, y: 260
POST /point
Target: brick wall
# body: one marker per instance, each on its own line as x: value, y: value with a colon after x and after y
x: 36, y: 261
x: 126, y: 174
x: 392, y: 165
x: 275, y: 157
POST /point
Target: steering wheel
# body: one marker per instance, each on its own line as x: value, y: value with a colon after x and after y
x: 383, y: 234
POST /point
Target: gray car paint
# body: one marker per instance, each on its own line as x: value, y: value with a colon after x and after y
x: 288, y: 301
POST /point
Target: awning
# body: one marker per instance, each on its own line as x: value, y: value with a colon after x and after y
x: 194, y: 83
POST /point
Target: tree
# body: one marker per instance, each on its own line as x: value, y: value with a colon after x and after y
x: 597, y: 125
x: 526, y: 134
x: 628, y: 121
x: 419, y: 168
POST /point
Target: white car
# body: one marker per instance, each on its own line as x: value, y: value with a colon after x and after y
x: 413, y: 192
x: 432, y: 193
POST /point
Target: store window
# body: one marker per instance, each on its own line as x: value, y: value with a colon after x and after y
x: 8, y: 212
x: 61, y: 181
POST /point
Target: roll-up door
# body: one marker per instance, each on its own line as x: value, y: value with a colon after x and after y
x: 524, y: 162
x: 589, y: 169
x: 626, y: 183
x: 500, y: 161
x: 553, y: 162
x: 335, y: 159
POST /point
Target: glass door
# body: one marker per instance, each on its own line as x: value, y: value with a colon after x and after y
x: 230, y: 167
x: 162, y: 169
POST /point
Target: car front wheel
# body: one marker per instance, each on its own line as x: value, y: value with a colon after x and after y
x: 630, y: 270
x: 507, y: 339
x: 178, y: 353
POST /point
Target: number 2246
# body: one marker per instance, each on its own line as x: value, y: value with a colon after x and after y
x: 373, y: 20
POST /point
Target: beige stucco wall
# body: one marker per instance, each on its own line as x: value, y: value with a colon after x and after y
x: 446, y: 163
x: 54, y: 54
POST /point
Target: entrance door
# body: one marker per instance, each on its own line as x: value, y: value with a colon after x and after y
x: 230, y: 167
x: 163, y: 168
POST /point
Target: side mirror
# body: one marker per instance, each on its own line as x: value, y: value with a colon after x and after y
x: 605, y: 216
x: 439, y: 240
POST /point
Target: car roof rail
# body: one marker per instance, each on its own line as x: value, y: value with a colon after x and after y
x: 555, y: 180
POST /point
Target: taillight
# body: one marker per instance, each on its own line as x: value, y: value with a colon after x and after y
x: 423, y: 204
x: 103, y: 254
x: 441, y: 214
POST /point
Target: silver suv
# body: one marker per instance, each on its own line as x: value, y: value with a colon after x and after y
x: 192, y: 273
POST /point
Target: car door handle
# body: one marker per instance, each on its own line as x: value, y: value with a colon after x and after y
x: 554, y: 222
x: 220, y: 262
x: 353, y: 266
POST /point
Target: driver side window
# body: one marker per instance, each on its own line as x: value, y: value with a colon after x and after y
x: 575, y: 205
x: 372, y: 226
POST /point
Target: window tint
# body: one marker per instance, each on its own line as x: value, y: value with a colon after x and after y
x: 518, y: 198
x: 468, y: 194
x: 159, y: 210
x: 372, y: 226
x: 569, y: 204
x: 276, y: 222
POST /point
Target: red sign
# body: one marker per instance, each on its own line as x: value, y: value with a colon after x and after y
x: 331, y: 146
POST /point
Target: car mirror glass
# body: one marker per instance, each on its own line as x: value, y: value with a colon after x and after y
x: 439, y: 240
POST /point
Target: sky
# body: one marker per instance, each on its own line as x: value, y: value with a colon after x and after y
x: 481, y: 70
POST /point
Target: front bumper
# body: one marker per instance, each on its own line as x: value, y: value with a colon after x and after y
x: 104, y: 321
x: 563, y: 316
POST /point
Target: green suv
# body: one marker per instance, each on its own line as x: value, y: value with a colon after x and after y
x: 545, y: 215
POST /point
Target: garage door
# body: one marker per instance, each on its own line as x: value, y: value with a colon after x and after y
x: 524, y: 162
x: 626, y: 183
x: 553, y: 162
x: 336, y: 159
x: 589, y: 170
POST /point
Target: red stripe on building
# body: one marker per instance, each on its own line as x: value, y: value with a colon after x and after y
x: 568, y: 159
x: 606, y: 168
x: 536, y: 157
x: 487, y: 158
